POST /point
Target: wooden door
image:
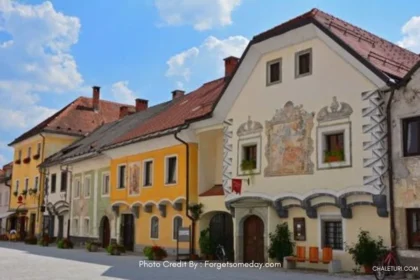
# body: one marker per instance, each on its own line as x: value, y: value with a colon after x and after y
x: 221, y: 232
x: 32, y: 224
x: 128, y: 231
x: 106, y: 232
x: 60, y: 227
x: 254, y: 240
x: 22, y: 226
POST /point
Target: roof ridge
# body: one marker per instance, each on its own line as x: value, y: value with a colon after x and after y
x: 108, y: 101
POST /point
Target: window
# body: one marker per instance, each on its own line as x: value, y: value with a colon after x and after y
x: 332, y: 234
x: 36, y: 182
x: 303, y: 63
x: 413, y: 228
x: 63, y: 186
x: 17, y: 186
x: 6, y: 198
x: 29, y: 152
x: 148, y: 173
x: 249, y: 156
x: 38, y: 149
x: 53, y: 182
x: 334, y: 147
x: 86, y: 226
x: 274, y: 72
x: 411, y: 136
x: 177, y: 224
x: 26, y: 184
x: 20, y: 155
x: 86, y: 187
x: 121, y: 176
x: 105, y: 184
x: 171, y: 169
x: 77, y: 188
x: 75, y: 226
x: 154, y: 228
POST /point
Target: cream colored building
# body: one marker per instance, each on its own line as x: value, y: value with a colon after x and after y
x: 304, y: 112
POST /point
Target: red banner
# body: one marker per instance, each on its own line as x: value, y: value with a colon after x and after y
x: 237, y: 186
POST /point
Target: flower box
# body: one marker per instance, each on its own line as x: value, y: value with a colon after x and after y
x: 27, y: 160
x: 36, y: 157
x: 18, y: 161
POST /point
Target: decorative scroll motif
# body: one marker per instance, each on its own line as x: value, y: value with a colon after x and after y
x: 134, y: 179
x: 289, y: 143
x: 250, y: 127
x: 377, y: 133
x: 337, y: 110
x: 227, y: 156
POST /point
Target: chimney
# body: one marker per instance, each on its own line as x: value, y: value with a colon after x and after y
x: 123, y: 111
x: 96, y: 95
x: 230, y: 65
x: 177, y: 93
x: 141, y: 104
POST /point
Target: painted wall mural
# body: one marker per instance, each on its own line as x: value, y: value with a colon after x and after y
x: 337, y: 110
x: 289, y: 143
x: 134, y: 178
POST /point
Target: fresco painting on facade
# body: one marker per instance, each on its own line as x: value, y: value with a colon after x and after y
x: 134, y: 178
x: 289, y: 146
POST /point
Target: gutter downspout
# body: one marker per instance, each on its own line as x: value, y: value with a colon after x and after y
x: 187, y: 186
x: 41, y: 197
x: 391, y: 170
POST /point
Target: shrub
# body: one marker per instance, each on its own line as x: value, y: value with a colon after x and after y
x: 281, y: 244
x: 155, y: 253
x: 92, y: 246
x: 115, y: 249
x: 65, y: 244
x: 148, y: 252
x: 367, y: 250
x: 32, y: 240
x: 205, y: 242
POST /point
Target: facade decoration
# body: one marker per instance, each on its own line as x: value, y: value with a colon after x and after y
x: 289, y: 143
x: 377, y: 131
x: 227, y: 156
x: 250, y: 127
x: 337, y: 110
x: 134, y: 179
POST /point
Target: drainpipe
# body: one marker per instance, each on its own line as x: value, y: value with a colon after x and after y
x: 391, y: 170
x: 187, y: 186
x: 42, y: 174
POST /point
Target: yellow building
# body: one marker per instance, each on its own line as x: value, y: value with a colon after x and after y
x: 30, y: 149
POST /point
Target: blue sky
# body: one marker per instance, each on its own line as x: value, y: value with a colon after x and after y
x: 53, y: 52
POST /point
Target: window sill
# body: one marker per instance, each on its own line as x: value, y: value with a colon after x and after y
x: 170, y: 184
x: 334, y: 165
x: 120, y: 189
x: 303, y: 75
x: 105, y: 195
x: 273, y: 83
x: 147, y: 186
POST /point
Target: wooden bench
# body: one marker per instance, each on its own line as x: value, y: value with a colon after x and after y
x: 327, y: 258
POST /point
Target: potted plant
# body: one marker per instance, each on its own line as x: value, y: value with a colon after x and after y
x: 196, y: 210
x: 281, y: 244
x: 248, y: 166
x: 65, y: 244
x: 33, y: 191
x: 148, y: 252
x: 24, y: 192
x: 32, y: 240
x: 366, y: 251
x: 36, y: 157
x: 27, y: 160
x: 205, y: 244
x: 92, y: 246
x: 44, y: 241
x: 334, y: 156
x: 15, y: 193
x: 115, y: 249
x: 155, y: 253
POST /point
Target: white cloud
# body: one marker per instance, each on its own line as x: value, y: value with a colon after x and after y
x: 122, y: 93
x: 202, y: 14
x: 35, y: 59
x: 411, y: 34
x: 209, y: 56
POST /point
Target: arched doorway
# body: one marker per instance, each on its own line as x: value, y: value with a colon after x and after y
x: 221, y: 232
x: 254, y: 239
x: 105, y: 232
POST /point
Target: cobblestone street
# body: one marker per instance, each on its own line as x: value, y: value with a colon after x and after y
x: 20, y: 261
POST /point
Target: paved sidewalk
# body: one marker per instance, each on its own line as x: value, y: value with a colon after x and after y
x: 21, y: 261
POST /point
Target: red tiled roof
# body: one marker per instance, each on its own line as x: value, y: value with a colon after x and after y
x: 382, y: 54
x: 77, y: 118
x: 194, y: 105
x: 216, y: 190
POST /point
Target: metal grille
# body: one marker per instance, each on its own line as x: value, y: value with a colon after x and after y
x: 333, y: 234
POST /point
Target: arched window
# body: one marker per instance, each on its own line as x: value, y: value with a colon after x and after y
x: 177, y: 223
x: 154, y: 228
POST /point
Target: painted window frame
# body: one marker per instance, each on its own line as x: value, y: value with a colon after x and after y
x: 118, y: 176
x: 324, y: 130
x: 151, y: 227
x: 242, y: 143
x: 77, y: 186
x: 331, y: 217
x: 268, y: 71
x: 36, y: 182
x: 404, y: 135
x: 106, y: 174
x: 55, y: 182
x: 174, y: 238
x: 86, y: 232
x: 166, y: 182
x: 151, y: 172
x: 17, y: 186
x: 89, y: 178
x: 76, y: 229
x: 63, y: 182
x: 26, y: 184
x: 311, y: 60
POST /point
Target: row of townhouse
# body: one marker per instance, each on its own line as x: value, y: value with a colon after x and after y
x: 317, y: 109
